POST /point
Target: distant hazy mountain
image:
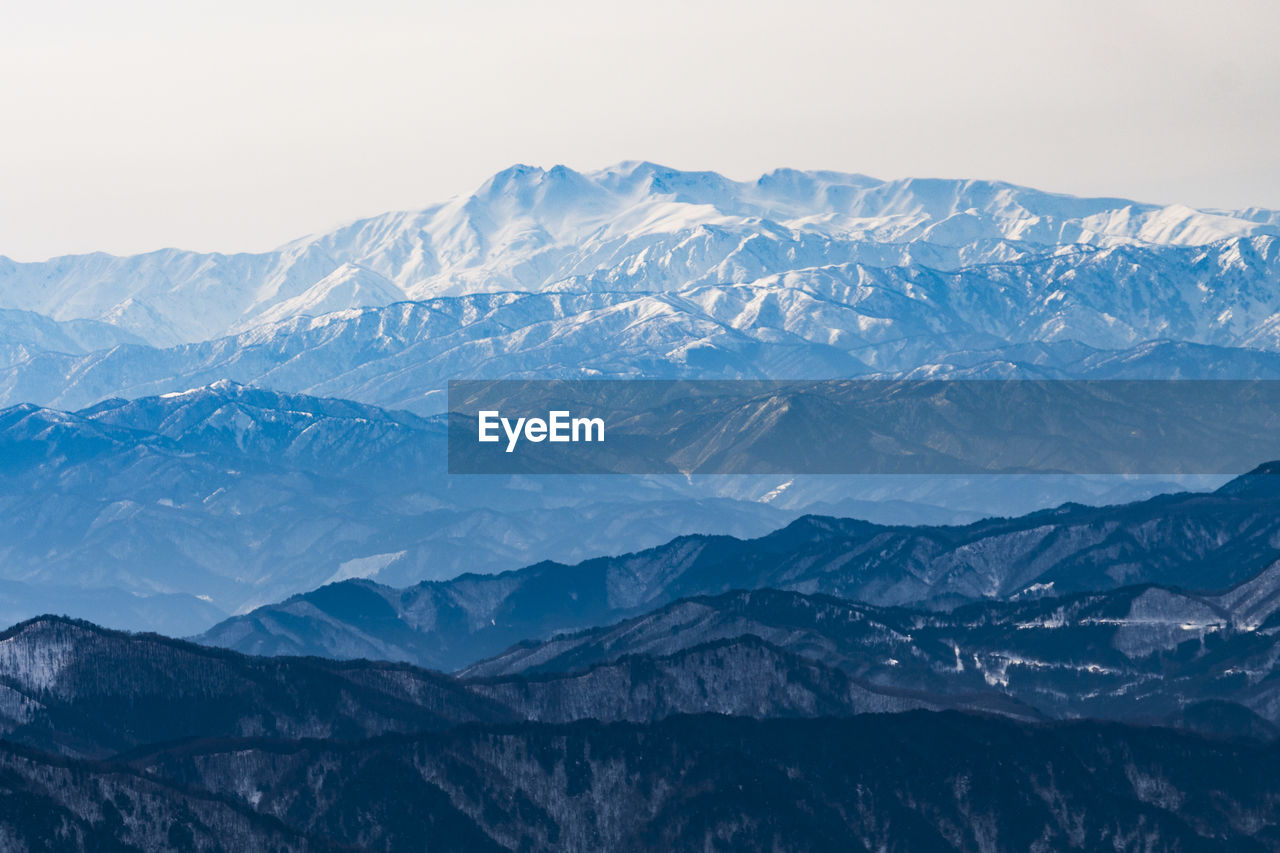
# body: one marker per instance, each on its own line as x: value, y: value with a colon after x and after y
x: 169, y: 513
x: 1195, y: 540
x: 24, y: 334
x: 632, y: 227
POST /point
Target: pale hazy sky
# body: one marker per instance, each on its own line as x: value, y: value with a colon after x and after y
x: 232, y: 125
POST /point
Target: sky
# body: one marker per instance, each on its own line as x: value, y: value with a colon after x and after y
x: 237, y: 126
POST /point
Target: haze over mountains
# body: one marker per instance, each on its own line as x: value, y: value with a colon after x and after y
x: 170, y: 512
x: 1206, y: 541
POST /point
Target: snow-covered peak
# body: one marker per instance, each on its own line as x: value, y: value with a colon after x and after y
x: 348, y: 286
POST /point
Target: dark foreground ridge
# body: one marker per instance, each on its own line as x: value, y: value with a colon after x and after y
x: 171, y: 745
x: 902, y: 782
x: 167, y: 744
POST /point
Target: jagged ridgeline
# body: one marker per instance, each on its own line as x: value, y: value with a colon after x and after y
x: 641, y: 270
x: 1206, y: 541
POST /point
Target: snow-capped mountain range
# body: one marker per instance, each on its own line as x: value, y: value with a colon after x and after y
x: 633, y: 227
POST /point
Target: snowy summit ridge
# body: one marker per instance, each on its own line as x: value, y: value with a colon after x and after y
x: 633, y: 227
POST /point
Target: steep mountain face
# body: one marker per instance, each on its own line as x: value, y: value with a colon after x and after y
x: 1139, y: 654
x: 634, y: 227
x: 1195, y: 540
x: 741, y: 675
x: 72, y: 688
x: 911, y: 781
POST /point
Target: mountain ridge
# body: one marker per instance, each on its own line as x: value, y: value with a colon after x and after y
x: 527, y: 228
x: 1189, y: 539
x: 1103, y: 312
x: 174, y: 510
